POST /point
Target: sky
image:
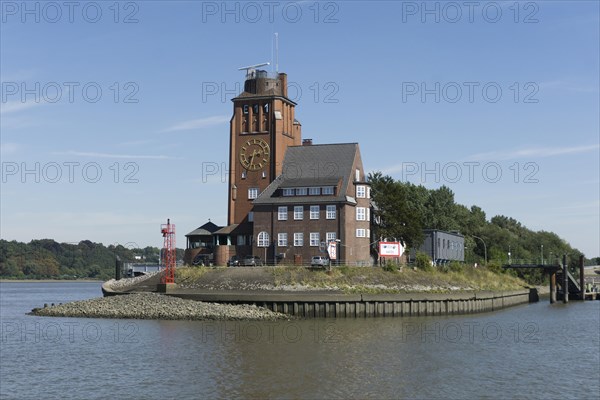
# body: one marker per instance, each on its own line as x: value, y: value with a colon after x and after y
x: 115, y: 115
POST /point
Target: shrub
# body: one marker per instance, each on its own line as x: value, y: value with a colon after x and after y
x: 455, y: 266
x: 423, y: 262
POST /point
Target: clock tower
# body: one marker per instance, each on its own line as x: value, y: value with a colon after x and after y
x: 261, y: 129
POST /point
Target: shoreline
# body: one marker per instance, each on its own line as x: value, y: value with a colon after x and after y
x: 51, y: 280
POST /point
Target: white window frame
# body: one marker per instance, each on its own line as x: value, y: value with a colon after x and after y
x: 298, y: 239
x: 301, y: 191
x: 263, y: 239
x: 298, y: 213
x: 252, y: 193
x: 329, y: 236
x: 315, y: 239
x: 361, y: 192
x: 282, y: 240
x: 368, y: 192
x: 314, y: 212
x: 357, y: 175
x: 314, y: 191
x: 327, y: 190
x: 361, y: 214
x: 331, y: 212
x: 361, y: 233
x: 282, y: 213
x: 288, y: 192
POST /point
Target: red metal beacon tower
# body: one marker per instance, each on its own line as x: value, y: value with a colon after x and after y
x: 169, y: 252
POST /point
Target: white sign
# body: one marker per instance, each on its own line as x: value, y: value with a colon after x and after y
x: 332, y: 250
x: 390, y: 249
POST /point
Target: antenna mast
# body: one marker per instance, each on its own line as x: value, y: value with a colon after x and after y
x: 276, y: 52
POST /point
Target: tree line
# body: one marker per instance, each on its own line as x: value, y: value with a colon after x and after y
x: 48, y: 259
x: 405, y: 209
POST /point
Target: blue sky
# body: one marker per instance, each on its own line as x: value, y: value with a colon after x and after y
x: 115, y: 117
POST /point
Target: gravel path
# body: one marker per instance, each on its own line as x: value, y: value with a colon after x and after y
x: 156, y: 306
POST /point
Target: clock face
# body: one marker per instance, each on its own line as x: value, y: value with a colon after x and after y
x: 254, y: 154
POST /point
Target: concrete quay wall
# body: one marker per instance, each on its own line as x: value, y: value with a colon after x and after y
x: 324, y: 305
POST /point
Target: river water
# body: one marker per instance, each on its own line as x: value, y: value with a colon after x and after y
x: 530, y: 351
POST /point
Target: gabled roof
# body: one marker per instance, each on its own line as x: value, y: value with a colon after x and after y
x: 313, y: 165
x: 206, y: 229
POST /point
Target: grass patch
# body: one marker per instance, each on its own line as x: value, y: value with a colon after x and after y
x: 189, y: 273
x: 379, y: 280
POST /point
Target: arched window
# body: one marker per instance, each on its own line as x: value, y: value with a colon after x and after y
x: 263, y: 239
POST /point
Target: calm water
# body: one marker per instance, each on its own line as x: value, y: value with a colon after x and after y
x: 514, y: 353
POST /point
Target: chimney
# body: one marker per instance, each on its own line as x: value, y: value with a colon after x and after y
x: 306, y: 142
x: 283, y: 79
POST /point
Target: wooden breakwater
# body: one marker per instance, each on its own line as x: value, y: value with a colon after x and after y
x: 325, y: 305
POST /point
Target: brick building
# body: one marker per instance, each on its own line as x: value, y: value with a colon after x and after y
x: 287, y: 196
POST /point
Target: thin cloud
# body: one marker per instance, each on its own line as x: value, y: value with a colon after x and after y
x: 539, y: 152
x: 198, y: 123
x: 8, y: 148
x: 112, y: 155
x: 11, y: 107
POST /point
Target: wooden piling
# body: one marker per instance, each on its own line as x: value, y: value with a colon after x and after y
x: 581, y: 278
x: 565, y: 280
x: 553, y: 286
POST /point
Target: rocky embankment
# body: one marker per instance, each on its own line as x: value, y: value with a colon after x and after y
x: 156, y: 306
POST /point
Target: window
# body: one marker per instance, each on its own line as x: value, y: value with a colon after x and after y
x: 252, y: 193
x: 361, y: 192
x: 368, y: 192
x: 245, y: 108
x: 255, y: 109
x: 263, y: 239
x: 314, y: 212
x: 298, y: 212
x: 241, y: 240
x: 328, y: 190
x: 243, y: 174
x: 266, y: 107
x: 251, y: 216
x: 357, y: 175
x: 282, y: 239
x: 368, y: 233
x: 314, y: 191
x: 331, y: 236
x: 330, y: 212
x: 301, y: 191
x: 282, y: 213
x: 360, y: 214
x: 361, y: 233
x: 288, y: 192
x: 298, y: 239
x: 438, y: 243
x: 368, y: 214
x: 314, y: 239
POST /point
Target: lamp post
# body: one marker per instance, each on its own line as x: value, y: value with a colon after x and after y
x: 542, y: 253
x: 484, y: 248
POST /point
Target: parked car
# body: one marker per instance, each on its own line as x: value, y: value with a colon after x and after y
x: 202, y: 260
x: 252, y: 261
x: 319, y: 261
x: 234, y: 261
